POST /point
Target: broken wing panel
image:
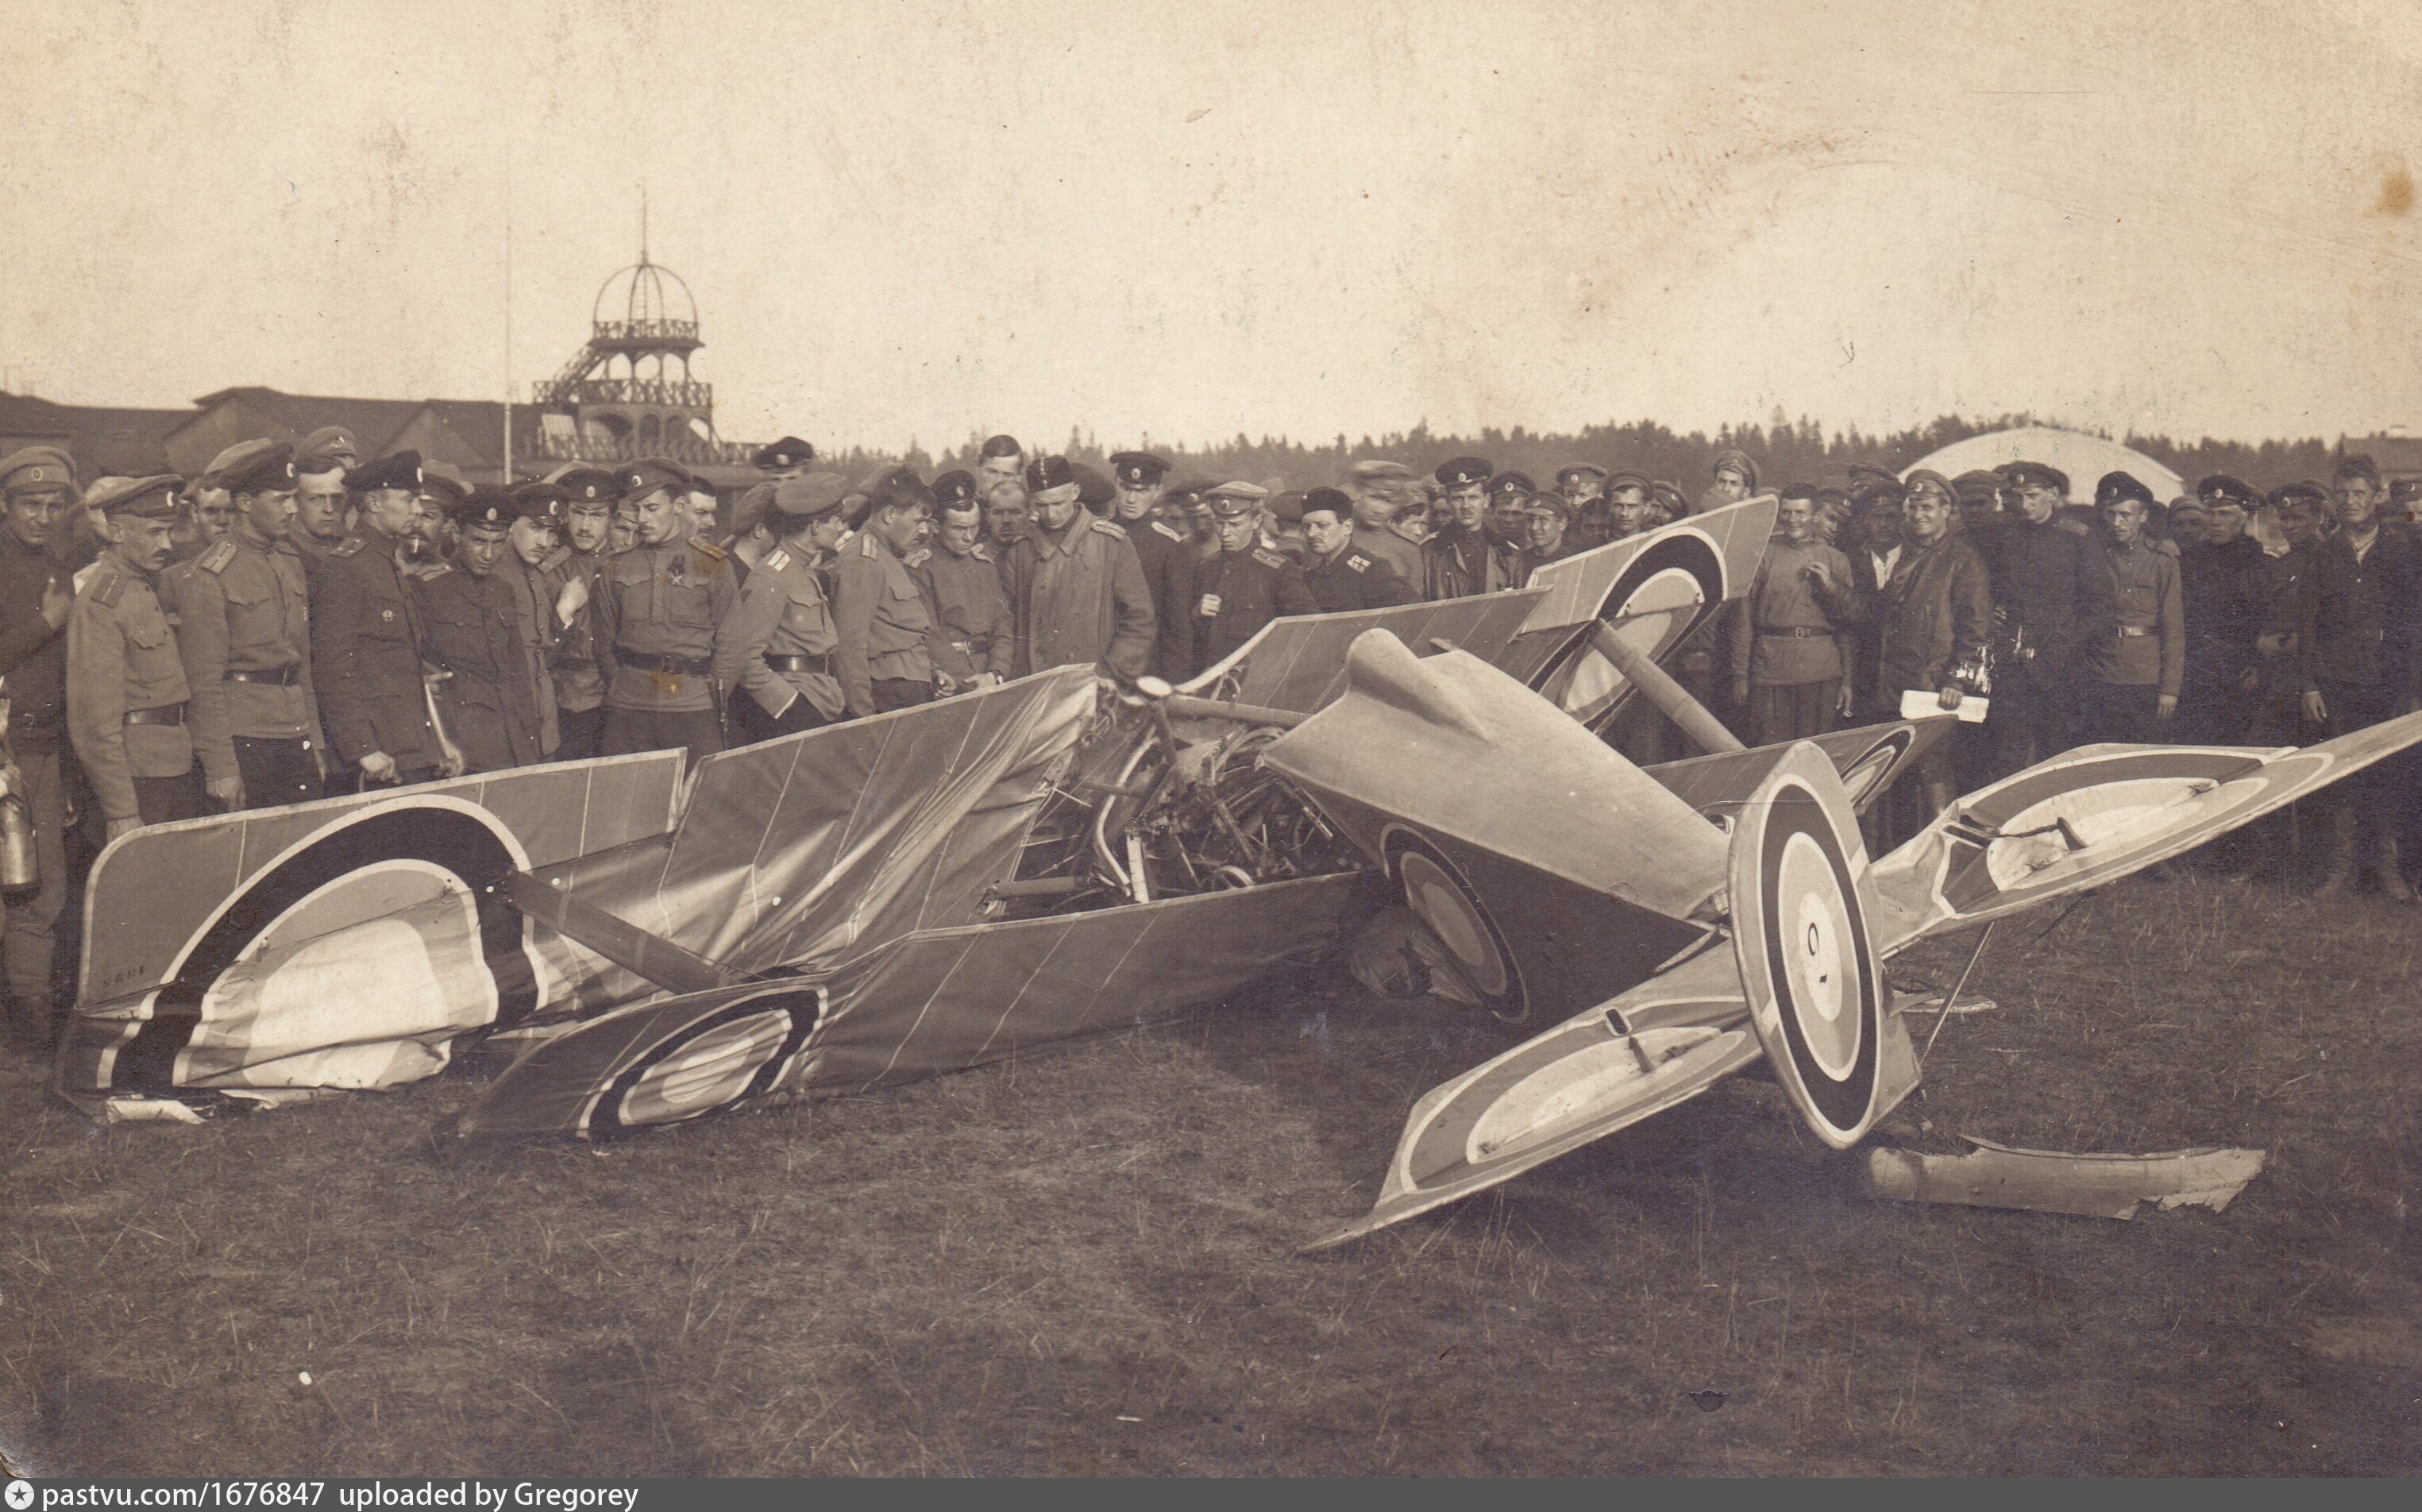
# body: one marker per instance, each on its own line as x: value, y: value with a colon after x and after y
x: 932, y: 1001
x: 1300, y: 662
x: 1869, y: 759
x: 2095, y: 815
x: 1581, y: 1081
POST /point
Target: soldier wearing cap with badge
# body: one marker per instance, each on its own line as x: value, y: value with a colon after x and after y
x: 1166, y: 553
x: 1386, y: 501
x: 1247, y: 585
x: 1583, y: 487
x: 1509, y: 525
x: 660, y: 606
x: 774, y: 652
x: 785, y: 459
x: 1548, y: 521
x: 2362, y: 607
x: 2137, y: 655
x: 1077, y: 592
x: 560, y: 584
x: 429, y: 544
x: 35, y: 596
x: 960, y: 576
x: 488, y: 635
x: 880, y: 619
x: 2222, y: 578
x: 2048, y: 596
x: 366, y: 635
x: 126, y: 689
x: 210, y: 511
x: 1456, y: 560
x: 243, y: 630
x: 1341, y: 575
x: 321, y: 510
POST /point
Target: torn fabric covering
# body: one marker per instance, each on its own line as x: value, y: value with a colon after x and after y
x: 2054, y: 1181
x: 790, y: 852
x: 1300, y: 662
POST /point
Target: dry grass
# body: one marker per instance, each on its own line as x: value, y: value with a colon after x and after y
x: 1085, y: 1263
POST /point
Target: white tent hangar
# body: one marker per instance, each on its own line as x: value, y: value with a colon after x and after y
x: 2085, y: 458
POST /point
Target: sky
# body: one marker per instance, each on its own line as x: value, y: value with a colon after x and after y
x: 1181, y: 221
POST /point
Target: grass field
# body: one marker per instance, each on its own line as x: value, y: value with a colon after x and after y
x: 1085, y: 1263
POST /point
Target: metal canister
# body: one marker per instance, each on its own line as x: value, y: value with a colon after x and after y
x: 18, y: 867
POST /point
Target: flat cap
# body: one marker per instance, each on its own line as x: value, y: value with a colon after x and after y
x: 487, y: 507
x: 34, y: 469
x: 2301, y: 493
x: 1510, y: 481
x: 1670, y: 496
x: 1287, y: 506
x: 541, y: 499
x: 234, y: 459
x: 146, y: 499
x: 1580, y: 469
x: 1333, y: 499
x: 1138, y: 469
x: 1927, y: 475
x: 1462, y: 472
x: 271, y: 470
x: 444, y: 482
x: 790, y: 451
x: 2035, y: 475
x: 1094, y: 489
x: 587, y: 485
x: 2404, y: 490
x: 1861, y: 472
x: 2116, y: 486
x: 1628, y: 479
x: 1545, y: 503
x: 2221, y: 488
x: 400, y: 469
x: 639, y: 479
x: 900, y: 489
x: 798, y: 500
x: 955, y: 489
x: 330, y: 441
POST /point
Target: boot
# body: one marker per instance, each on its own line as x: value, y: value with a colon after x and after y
x: 2340, y: 876
x: 2390, y: 869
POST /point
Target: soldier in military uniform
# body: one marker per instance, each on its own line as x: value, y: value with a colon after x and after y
x: 430, y: 542
x: 1000, y: 458
x: 2361, y: 609
x: 1077, y: 592
x: 243, y: 630
x: 366, y: 635
x: 784, y: 460
x: 127, y: 694
x: 1166, y: 553
x: 1456, y: 560
x: 36, y: 595
x: 960, y: 576
x: 320, y: 503
x: 1549, y: 523
x: 481, y: 628
x: 660, y: 604
x: 1583, y: 487
x: 2048, y: 595
x: 2136, y: 654
x: 1630, y: 509
x: 2221, y: 579
x: 774, y: 652
x: 1385, y: 501
x: 562, y: 586
x: 880, y: 619
x: 1008, y: 514
x: 1341, y: 575
x: 1247, y: 585
x: 1509, y: 525
x: 209, y: 511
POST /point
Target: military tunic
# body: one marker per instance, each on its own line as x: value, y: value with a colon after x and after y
x: 365, y: 656
x: 243, y: 628
x: 2047, y: 594
x: 881, y: 622
x: 970, y: 607
x: 656, y: 621
x: 1252, y: 587
x: 1400, y: 551
x: 1458, y: 563
x: 783, y: 612
x: 1165, y: 555
x: 122, y: 662
x: 2221, y: 588
x: 1080, y: 599
x: 1355, y: 579
x: 481, y: 630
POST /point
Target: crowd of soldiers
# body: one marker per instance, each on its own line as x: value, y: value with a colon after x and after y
x: 301, y: 620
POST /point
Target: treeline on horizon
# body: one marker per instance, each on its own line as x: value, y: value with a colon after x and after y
x: 1785, y: 453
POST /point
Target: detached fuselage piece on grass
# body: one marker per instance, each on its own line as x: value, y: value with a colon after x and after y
x: 945, y: 886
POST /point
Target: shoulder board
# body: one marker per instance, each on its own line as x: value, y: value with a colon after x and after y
x: 1167, y: 529
x: 775, y: 559
x: 1269, y: 558
x: 1109, y: 529
x: 216, y: 559
x: 105, y: 591
x: 865, y: 543
x: 350, y: 546
x: 1356, y: 561
x: 916, y: 558
x: 982, y: 551
x: 707, y: 548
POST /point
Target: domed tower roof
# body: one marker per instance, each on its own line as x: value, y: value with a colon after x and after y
x: 645, y: 307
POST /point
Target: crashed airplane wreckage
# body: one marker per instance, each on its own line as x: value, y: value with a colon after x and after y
x: 942, y: 887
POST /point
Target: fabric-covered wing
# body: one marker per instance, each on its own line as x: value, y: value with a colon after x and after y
x: 2092, y: 815
x: 931, y: 1001
x: 1868, y: 759
x: 1553, y: 870
x: 1300, y: 662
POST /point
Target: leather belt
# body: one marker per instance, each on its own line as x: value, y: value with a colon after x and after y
x: 2129, y: 631
x: 648, y: 661
x: 802, y: 663
x: 167, y: 713
x: 275, y: 676
x: 1794, y: 632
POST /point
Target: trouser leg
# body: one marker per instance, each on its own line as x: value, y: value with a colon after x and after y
x: 163, y: 800
x: 901, y: 693
x: 277, y: 771
x: 30, y: 944
x: 580, y: 732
